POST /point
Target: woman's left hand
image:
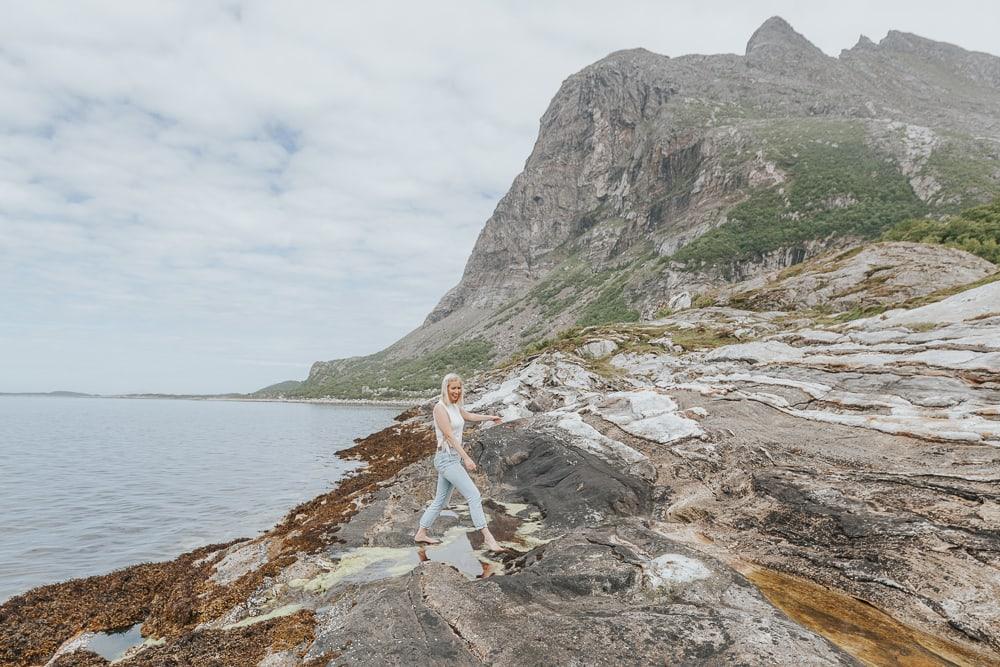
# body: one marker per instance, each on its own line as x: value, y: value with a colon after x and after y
x: 495, y: 419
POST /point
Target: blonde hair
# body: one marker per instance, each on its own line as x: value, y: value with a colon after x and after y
x: 448, y: 379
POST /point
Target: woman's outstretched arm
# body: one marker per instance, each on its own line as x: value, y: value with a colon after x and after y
x: 476, y: 417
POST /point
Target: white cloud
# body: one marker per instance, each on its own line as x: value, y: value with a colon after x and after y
x: 208, y: 196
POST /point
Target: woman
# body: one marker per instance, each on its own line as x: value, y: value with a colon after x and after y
x: 449, y: 420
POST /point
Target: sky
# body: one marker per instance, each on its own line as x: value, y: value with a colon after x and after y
x: 205, y: 197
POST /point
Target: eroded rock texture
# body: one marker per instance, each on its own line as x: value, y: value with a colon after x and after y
x: 720, y: 487
x: 716, y: 487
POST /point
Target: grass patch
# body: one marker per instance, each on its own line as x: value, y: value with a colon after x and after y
x: 747, y: 301
x: 871, y: 283
x: 663, y: 312
x: 376, y: 376
x: 558, y: 290
x: 609, y: 306
x: 823, y: 315
x: 966, y: 170
x: 793, y: 270
x: 703, y: 301
x: 565, y: 285
x: 701, y: 337
x: 847, y: 254
x: 566, y: 341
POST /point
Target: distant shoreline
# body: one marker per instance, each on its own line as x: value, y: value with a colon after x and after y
x: 401, y: 402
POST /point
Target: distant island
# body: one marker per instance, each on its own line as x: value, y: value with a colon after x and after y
x: 60, y: 394
x: 253, y: 397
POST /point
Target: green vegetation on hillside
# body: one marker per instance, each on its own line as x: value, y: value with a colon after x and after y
x: 975, y: 230
x: 376, y: 376
x: 280, y: 388
x: 965, y: 170
x: 570, y: 284
x: 609, y: 306
x: 561, y: 287
x: 836, y: 185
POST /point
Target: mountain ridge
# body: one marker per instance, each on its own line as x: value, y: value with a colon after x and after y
x: 639, y: 155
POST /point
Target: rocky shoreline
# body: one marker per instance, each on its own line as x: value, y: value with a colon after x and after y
x: 172, y: 599
x: 715, y: 487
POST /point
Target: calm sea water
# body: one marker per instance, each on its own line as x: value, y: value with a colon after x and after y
x: 90, y: 485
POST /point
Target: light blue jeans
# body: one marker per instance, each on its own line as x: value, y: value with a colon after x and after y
x: 452, y: 475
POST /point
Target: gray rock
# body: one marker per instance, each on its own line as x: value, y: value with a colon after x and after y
x: 583, y: 599
x: 881, y: 273
x: 571, y: 487
x: 680, y: 301
x: 389, y: 624
x: 597, y: 349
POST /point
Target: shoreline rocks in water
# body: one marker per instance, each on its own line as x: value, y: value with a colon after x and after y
x: 791, y: 495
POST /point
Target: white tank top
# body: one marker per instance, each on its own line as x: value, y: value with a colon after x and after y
x: 457, y: 425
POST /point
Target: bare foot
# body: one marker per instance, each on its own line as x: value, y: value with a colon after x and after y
x: 423, y: 538
x: 490, y: 543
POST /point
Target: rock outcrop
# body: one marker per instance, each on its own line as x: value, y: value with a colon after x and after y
x: 879, y: 274
x: 721, y: 487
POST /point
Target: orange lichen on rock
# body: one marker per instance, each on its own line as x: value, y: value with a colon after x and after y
x: 35, y: 624
x: 856, y: 626
x: 81, y: 658
x: 239, y: 647
x: 311, y: 526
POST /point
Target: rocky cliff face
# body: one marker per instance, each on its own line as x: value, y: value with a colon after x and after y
x: 652, y: 176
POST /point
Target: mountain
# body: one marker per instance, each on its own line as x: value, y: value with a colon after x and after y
x: 655, y: 180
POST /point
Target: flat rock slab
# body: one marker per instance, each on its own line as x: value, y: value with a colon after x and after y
x: 590, y: 597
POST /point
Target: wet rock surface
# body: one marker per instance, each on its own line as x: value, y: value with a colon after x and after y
x: 586, y: 598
